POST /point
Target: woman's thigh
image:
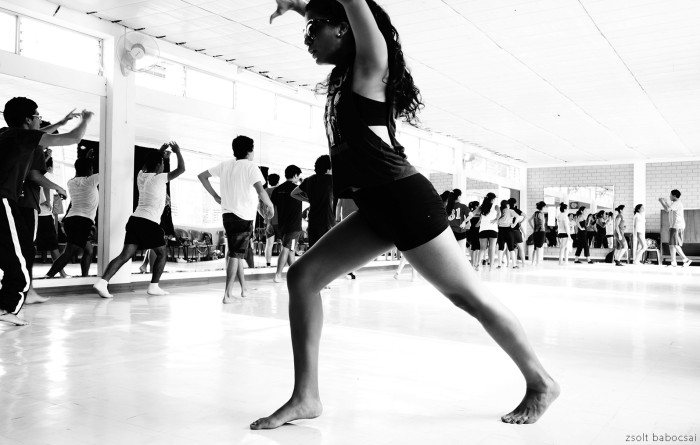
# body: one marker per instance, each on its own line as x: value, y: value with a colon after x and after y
x: 348, y: 246
x: 440, y: 262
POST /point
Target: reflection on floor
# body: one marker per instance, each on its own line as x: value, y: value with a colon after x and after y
x: 399, y: 363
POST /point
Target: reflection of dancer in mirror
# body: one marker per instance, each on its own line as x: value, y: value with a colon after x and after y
x: 271, y: 228
x: 241, y: 188
x: 46, y: 235
x: 564, y: 234
x: 143, y: 230
x: 537, y: 222
x: 368, y: 88
x: 619, y: 241
x: 80, y: 217
x: 19, y: 144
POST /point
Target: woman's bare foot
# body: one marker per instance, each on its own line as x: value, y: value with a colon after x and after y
x: 13, y: 319
x: 292, y: 410
x: 534, y: 404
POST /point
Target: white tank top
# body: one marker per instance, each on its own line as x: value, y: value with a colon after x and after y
x: 489, y: 221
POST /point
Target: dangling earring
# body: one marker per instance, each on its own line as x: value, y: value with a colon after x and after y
x: 340, y: 35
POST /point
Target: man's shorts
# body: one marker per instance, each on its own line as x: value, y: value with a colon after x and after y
x: 291, y: 240
x: 675, y: 237
x: 238, y: 234
x: 272, y: 230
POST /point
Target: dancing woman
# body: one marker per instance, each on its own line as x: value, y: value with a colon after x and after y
x: 368, y: 88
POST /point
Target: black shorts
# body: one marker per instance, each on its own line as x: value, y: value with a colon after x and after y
x: 562, y: 235
x: 144, y: 233
x: 408, y: 212
x: 290, y: 240
x: 538, y: 239
x: 517, y: 236
x: 506, y: 238
x: 78, y: 230
x: 488, y: 234
x: 315, y: 233
x: 46, y: 238
x: 459, y: 236
x: 238, y: 234
x: 273, y: 230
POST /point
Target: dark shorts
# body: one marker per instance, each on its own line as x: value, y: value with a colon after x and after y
x: 238, y: 234
x: 486, y: 234
x: 315, y: 233
x: 272, y: 230
x: 675, y: 237
x: 538, y: 239
x: 78, y: 230
x: 506, y: 238
x: 459, y: 236
x: 562, y: 235
x: 144, y: 233
x: 517, y: 236
x: 290, y: 240
x: 46, y: 238
x: 474, y: 243
x: 413, y: 202
x: 619, y: 243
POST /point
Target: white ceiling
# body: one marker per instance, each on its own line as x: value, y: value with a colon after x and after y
x: 542, y: 81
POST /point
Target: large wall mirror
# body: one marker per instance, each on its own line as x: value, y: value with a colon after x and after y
x: 53, y: 104
x: 593, y: 198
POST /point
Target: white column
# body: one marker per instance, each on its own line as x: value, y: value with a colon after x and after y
x: 116, y: 162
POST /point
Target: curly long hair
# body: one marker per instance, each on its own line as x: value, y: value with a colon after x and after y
x: 402, y: 92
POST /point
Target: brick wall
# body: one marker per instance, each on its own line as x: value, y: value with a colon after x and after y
x: 665, y: 176
x: 442, y: 181
x: 473, y: 184
x: 620, y: 176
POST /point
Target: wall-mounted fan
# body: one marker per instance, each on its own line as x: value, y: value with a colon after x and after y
x: 137, y: 52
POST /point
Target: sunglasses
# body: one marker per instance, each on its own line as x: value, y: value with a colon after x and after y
x: 313, y: 26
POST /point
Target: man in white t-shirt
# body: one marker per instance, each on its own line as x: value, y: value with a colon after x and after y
x: 241, y: 189
x: 143, y: 230
x: 677, y: 228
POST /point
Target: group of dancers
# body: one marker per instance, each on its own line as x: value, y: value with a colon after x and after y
x: 368, y: 88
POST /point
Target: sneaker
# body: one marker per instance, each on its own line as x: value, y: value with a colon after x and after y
x: 577, y: 262
x: 687, y: 262
x: 590, y: 262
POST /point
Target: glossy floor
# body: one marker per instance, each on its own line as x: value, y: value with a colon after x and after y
x: 399, y: 364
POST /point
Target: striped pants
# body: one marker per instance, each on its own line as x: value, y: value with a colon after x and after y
x: 15, y: 243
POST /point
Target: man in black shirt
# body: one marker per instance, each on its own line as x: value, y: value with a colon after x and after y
x: 289, y: 218
x: 317, y: 190
x: 18, y: 144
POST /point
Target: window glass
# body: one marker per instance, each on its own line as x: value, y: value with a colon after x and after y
x: 8, y: 32
x: 60, y: 46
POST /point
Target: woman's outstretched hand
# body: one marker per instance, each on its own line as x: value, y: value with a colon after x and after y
x: 288, y: 5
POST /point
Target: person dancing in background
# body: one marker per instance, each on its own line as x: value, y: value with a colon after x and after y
x: 143, y: 230
x: 368, y: 88
x: 640, y: 224
x: 488, y: 230
x: 458, y: 216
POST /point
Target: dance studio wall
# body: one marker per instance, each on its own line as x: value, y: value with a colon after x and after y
x: 663, y: 177
x: 621, y: 176
x: 442, y: 181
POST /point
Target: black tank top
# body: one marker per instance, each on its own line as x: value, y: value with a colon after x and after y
x: 360, y: 158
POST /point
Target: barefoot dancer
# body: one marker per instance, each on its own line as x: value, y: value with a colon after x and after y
x: 369, y: 86
x: 143, y: 230
x: 19, y: 143
x: 241, y: 188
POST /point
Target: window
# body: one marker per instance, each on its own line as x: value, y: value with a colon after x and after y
x: 166, y: 77
x: 8, y: 32
x: 60, y: 46
x: 208, y: 88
